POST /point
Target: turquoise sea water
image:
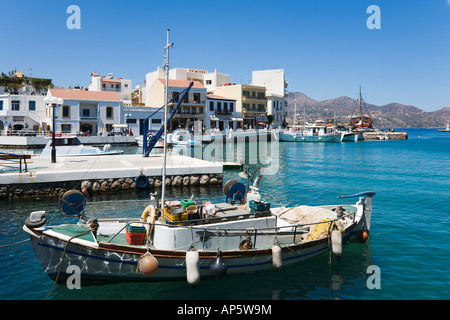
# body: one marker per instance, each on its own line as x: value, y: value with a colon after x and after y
x: 409, y: 232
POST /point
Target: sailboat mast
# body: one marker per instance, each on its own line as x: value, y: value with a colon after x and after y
x: 304, y: 111
x: 166, y: 99
x: 360, y: 107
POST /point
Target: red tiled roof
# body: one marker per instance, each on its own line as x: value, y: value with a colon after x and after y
x: 182, y: 83
x: 84, y: 95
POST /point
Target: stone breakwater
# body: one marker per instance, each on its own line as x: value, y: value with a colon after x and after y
x: 55, y: 189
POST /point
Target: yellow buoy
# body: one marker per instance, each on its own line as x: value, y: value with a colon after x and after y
x: 148, y: 264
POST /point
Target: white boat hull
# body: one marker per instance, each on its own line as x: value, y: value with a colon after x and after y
x: 102, y: 261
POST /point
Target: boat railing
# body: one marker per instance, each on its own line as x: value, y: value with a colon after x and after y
x: 205, y: 233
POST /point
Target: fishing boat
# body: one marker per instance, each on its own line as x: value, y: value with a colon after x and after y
x: 310, y: 133
x: 348, y: 135
x: 188, y: 239
x: 71, y: 146
x: 191, y: 240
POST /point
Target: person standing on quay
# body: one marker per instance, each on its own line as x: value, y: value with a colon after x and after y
x: 169, y: 142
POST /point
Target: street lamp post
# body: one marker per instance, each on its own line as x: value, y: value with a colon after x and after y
x: 54, y: 102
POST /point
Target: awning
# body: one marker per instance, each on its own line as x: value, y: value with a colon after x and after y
x: 237, y: 119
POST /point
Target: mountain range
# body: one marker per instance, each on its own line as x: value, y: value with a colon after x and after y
x: 392, y: 115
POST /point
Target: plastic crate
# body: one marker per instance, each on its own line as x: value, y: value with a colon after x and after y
x: 175, y: 215
x: 259, y: 205
x: 135, y: 234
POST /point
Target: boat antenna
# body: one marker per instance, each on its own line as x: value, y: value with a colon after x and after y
x: 166, y: 99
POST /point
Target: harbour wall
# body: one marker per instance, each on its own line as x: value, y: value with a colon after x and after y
x: 111, y: 185
x: 111, y: 173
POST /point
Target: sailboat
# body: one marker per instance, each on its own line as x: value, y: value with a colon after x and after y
x: 193, y: 239
x: 361, y: 122
x: 309, y: 132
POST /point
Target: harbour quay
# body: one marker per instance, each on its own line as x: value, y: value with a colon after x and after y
x: 112, y: 173
x: 20, y: 142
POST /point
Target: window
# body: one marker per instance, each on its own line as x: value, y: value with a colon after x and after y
x: 231, y: 106
x: 186, y: 110
x: 175, y: 96
x: 66, y: 128
x: 219, y: 107
x: 1, y: 104
x: 126, y: 85
x: 104, y: 85
x: 15, y: 105
x: 200, y: 110
x: 208, y: 81
x: 109, y: 113
x: 196, y: 97
x: 225, y: 107
x: 86, y: 112
x: 211, y: 106
x: 109, y: 127
x: 32, y: 105
x: 66, y: 111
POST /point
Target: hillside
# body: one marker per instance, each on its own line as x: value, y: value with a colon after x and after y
x: 392, y: 115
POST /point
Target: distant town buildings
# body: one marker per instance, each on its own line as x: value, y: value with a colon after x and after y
x: 86, y: 112
x: 21, y: 103
x: 109, y: 102
x: 107, y: 83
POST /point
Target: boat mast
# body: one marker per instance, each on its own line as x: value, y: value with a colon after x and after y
x: 295, y: 113
x: 360, y: 107
x: 304, y: 112
x: 166, y: 99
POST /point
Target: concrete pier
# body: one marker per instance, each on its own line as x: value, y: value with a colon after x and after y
x: 106, y: 174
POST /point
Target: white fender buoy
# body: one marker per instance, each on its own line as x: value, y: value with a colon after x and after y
x: 277, y: 261
x: 192, y: 267
x: 336, y: 243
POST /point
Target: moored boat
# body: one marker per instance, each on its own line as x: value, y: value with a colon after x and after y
x: 71, y: 146
x: 244, y: 238
x: 310, y: 133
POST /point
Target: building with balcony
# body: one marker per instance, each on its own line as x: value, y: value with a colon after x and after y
x: 251, y: 102
x: 192, y: 108
x: 108, y: 84
x: 92, y: 112
x: 221, y: 113
x: 22, y: 111
x: 21, y: 103
x: 276, y: 92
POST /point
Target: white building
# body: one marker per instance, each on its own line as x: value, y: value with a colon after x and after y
x: 85, y: 111
x: 276, y: 92
x: 22, y: 110
x: 210, y: 80
x: 221, y: 113
x: 107, y: 83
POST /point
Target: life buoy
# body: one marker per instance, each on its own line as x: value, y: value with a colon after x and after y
x: 149, y: 209
x: 141, y: 181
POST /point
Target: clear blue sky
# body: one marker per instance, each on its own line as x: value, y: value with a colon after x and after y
x: 324, y: 46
